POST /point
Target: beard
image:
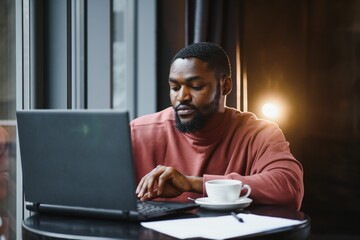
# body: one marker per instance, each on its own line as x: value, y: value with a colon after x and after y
x: 201, y: 115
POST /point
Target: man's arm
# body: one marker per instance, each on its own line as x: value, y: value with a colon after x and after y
x: 282, y: 187
x: 167, y: 182
x: 273, y: 173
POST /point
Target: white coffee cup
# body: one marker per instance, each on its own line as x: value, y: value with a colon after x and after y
x: 226, y: 190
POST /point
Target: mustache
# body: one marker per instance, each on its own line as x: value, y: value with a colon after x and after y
x: 185, y: 107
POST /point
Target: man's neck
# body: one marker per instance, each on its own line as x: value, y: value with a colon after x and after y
x: 214, y: 121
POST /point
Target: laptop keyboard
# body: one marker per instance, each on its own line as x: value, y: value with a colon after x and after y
x: 145, y: 208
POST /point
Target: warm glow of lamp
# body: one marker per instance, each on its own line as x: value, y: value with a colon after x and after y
x: 271, y: 110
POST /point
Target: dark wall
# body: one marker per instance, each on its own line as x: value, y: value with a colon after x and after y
x: 275, y: 41
x: 176, y: 30
x: 170, y: 39
x: 308, y: 54
x: 332, y: 148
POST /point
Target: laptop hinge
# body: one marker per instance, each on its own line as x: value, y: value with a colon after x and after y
x: 33, y: 206
x: 82, y: 211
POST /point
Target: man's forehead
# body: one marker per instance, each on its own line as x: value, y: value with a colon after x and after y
x: 187, y: 65
x: 189, y: 59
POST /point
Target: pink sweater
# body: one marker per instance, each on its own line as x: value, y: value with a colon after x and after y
x: 240, y: 147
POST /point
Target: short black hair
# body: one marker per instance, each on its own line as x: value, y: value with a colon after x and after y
x: 211, y: 53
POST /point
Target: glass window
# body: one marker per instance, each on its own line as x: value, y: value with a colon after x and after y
x: 7, y: 120
x: 7, y: 60
x: 123, y: 55
x: 119, y: 54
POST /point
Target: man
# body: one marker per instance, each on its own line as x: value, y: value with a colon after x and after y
x: 197, y: 139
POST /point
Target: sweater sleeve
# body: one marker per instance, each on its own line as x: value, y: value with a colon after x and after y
x: 274, y: 175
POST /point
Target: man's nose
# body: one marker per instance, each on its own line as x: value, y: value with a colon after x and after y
x: 184, y: 94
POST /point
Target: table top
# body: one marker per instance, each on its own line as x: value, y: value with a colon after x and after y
x: 39, y: 226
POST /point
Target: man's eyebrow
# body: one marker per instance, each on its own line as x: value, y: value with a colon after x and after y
x: 189, y: 79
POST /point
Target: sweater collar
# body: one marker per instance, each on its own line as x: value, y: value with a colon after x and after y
x: 213, y: 129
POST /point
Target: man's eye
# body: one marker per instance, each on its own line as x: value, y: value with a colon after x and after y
x: 174, y: 88
x: 197, y: 88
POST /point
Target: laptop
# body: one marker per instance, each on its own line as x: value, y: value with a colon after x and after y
x: 79, y: 162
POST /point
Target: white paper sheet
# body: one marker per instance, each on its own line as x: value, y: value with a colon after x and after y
x: 219, y: 227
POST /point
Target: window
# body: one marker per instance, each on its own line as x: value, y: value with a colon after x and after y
x: 69, y: 55
x: 7, y: 120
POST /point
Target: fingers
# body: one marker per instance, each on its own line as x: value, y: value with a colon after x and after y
x: 167, y: 174
x: 149, y: 196
x: 138, y: 188
x: 162, y: 181
x: 146, y: 187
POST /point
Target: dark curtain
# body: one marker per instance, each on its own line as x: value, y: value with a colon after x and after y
x: 220, y: 22
x: 182, y: 22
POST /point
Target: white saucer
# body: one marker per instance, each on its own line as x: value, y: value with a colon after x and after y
x: 206, y: 203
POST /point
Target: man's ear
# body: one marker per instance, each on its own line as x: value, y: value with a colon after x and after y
x: 226, y: 85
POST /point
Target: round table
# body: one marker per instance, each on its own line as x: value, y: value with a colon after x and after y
x: 45, y: 226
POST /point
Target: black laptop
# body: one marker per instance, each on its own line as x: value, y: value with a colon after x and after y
x: 80, y: 162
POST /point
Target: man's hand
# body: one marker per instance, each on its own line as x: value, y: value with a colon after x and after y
x: 166, y: 182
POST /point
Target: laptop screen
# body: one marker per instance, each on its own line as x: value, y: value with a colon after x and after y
x: 77, y: 158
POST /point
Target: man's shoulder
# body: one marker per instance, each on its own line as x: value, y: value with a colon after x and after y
x: 248, y: 125
x: 242, y: 118
x: 159, y: 118
x: 249, y: 120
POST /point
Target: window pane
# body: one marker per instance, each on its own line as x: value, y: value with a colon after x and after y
x: 123, y: 55
x: 119, y: 55
x: 7, y: 60
x: 7, y: 121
